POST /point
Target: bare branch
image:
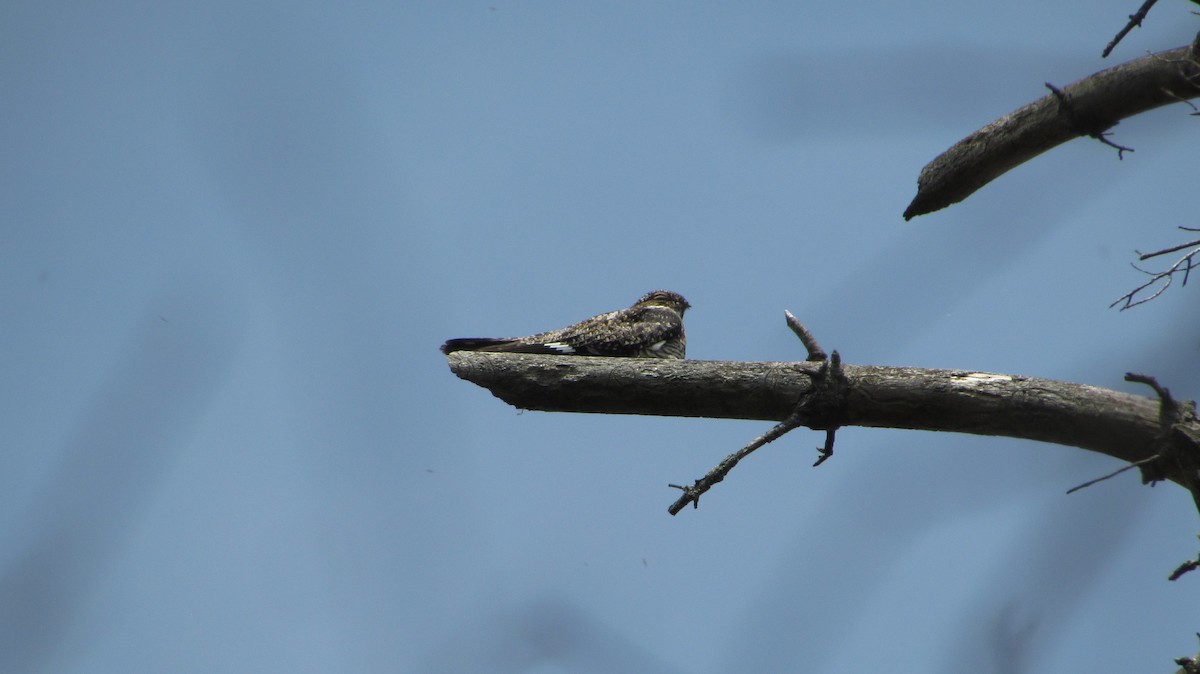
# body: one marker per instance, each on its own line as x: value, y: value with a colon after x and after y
x: 1096, y: 104
x: 1117, y: 424
x: 1113, y: 474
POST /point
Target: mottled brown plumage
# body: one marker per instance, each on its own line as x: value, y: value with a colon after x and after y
x: 651, y: 328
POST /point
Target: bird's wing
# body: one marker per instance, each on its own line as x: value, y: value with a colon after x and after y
x: 617, y: 333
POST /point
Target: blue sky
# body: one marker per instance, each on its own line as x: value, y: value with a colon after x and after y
x: 234, y: 236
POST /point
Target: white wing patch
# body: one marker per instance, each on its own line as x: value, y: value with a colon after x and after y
x: 657, y: 346
x: 560, y: 347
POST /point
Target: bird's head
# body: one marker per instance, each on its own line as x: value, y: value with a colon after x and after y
x: 663, y: 298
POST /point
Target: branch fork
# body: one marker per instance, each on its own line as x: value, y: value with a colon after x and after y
x: 822, y: 407
x: 1176, y: 451
x: 1177, y: 447
x: 1182, y: 266
x: 1092, y: 124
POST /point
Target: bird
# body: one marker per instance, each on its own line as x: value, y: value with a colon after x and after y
x: 651, y: 328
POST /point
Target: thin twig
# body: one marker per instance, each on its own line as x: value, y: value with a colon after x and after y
x: 692, y: 494
x: 1195, y: 111
x: 1164, y: 251
x: 827, y: 450
x: 1135, y: 20
x: 1112, y: 474
x: 1184, y: 265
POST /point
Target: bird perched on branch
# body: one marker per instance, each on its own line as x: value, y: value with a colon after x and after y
x: 651, y: 328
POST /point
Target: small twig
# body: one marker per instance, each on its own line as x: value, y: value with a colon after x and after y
x: 692, y: 494
x: 1121, y: 149
x: 815, y: 352
x: 1092, y: 126
x: 1154, y: 278
x: 1184, y: 265
x: 1164, y: 394
x: 1112, y: 474
x: 827, y: 450
x: 1195, y: 111
x: 1164, y: 251
x: 1135, y: 20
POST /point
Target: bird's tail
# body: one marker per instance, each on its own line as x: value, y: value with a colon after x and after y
x: 475, y: 344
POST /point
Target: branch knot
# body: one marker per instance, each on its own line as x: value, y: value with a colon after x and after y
x: 1093, y: 124
x: 822, y: 407
x: 1177, y: 447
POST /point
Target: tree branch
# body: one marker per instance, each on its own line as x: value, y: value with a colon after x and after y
x: 1121, y: 425
x: 1088, y: 107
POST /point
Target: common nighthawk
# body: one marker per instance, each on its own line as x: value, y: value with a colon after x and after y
x: 651, y: 328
